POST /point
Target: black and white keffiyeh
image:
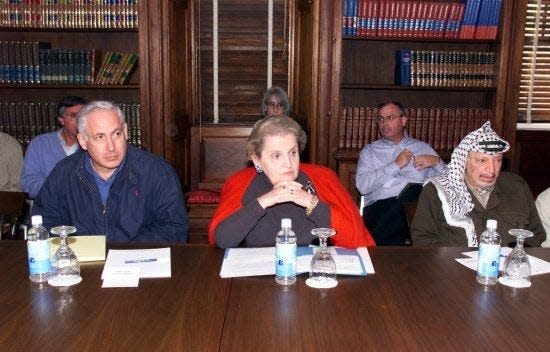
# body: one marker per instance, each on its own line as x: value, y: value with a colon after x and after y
x: 451, y: 188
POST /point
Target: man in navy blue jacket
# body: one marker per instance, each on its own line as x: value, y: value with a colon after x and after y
x: 112, y: 188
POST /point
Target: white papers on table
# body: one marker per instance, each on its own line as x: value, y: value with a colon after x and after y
x: 124, y: 265
x: 538, y: 266
x: 240, y: 262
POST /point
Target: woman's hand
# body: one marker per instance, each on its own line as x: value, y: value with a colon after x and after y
x: 286, y: 191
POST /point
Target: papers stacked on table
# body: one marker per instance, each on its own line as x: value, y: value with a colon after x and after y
x: 124, y: 267
x: 538, y: 266
x: 239, y: 262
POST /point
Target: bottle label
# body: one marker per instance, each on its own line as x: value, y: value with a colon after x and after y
x: 488, y: 260
x: 39, y: 256
x: 285, y: 259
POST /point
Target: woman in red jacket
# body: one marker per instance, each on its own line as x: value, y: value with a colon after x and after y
x: 254, y: 200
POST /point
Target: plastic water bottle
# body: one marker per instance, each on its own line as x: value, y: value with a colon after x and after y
x: 285, y: 254
x: 488, y: 255
x: 38, y: 249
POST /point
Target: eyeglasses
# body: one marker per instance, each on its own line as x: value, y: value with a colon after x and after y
x: 389, y: 118
x: 275, y: 105
x: 71, y: 115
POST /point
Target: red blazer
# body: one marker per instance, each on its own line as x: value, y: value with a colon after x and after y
x: 345, y: 218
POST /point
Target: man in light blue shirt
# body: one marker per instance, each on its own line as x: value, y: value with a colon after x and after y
x: 47, y: 149
x: 384, y: 170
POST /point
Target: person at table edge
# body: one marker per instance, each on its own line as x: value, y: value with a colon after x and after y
x: 112, y: 188
x: 255, y: 199
x: 454, y: 206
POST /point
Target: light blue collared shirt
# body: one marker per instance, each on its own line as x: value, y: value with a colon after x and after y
x: 379, y: 177
x: 102, y: 185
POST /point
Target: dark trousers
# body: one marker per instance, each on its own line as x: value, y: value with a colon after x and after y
x: 386, y: 219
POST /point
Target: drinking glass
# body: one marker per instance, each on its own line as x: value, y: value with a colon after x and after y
x: 322, y: 272
x: 65, y: 269
x: 516, y: 269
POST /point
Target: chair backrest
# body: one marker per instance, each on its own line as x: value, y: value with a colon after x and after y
x: 13, y: 209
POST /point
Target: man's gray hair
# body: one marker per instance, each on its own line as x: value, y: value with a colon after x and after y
x: 82, y: 117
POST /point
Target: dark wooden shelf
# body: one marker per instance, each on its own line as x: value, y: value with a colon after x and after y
x: 367, y: 86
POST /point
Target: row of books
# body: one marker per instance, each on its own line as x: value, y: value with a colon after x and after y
x: 36, y: 63
x: 69, y: 14
x: 19, y: 61
x: 116, y: 68
x: 445, y: 68
x: 442, y: 128
x: 24, y: 120
x: 464, y: 19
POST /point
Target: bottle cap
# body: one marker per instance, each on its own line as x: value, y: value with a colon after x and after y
x: 36, y: 220
x: 491, y: 224
x: 286, y: 223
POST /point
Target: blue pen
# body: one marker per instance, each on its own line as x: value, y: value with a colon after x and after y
x: 135, y: 261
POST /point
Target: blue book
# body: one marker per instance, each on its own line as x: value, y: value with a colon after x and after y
x: 403, y: 67
x: 345, y: 16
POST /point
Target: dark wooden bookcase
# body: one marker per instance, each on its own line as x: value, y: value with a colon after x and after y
x: 67, y: 38
x: 160, y: 83
x: 363, y: 75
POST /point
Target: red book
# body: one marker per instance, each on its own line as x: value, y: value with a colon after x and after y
x: 385, y: 8
x: 355, y: 128
x: 412, y: 122
x: 420, y: 21
x: 362, y: 27
x: 430, y: 19
x: 361, y: 127
x: 437, y: 129
x: 349, y: 126
x: 451, y: 129
x: 342, y: 128
x: 369, y: 120
x: 411, y: 14
x: 407, y: 7
x: 452, y: 19
x: 398, y: 19
x: 444, y: 127
x: 374, y: 126
x: 375, y: 18
x: 471, y: 121
x: 445, y: 12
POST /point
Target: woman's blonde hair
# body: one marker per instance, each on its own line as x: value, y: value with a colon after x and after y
x: 274, y: 126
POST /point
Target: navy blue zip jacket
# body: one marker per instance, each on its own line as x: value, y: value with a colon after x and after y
x: 145, y: 201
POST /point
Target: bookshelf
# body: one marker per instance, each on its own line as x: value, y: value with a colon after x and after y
x: 52, y: 50
x: 364, y: 68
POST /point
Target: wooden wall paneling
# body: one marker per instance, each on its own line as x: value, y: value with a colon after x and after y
x: 530, y: 163
x: 217, y: 152
x: 242, y: 58
x: 301, y: 69
x: 505, y: 116
x: 163, y: 43
x: 322, y: 82
x: 511, y: 98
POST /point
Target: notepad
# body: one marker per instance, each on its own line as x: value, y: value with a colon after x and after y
x: 86, y: 248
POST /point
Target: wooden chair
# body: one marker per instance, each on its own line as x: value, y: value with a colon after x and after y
x: 13, y: 210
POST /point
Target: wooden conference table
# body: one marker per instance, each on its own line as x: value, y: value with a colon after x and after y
x: 418, y: 300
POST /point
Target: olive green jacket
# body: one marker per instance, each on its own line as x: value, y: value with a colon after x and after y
x: 511, y: 204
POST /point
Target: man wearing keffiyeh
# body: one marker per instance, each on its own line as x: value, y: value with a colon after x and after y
x: 454, y: 206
